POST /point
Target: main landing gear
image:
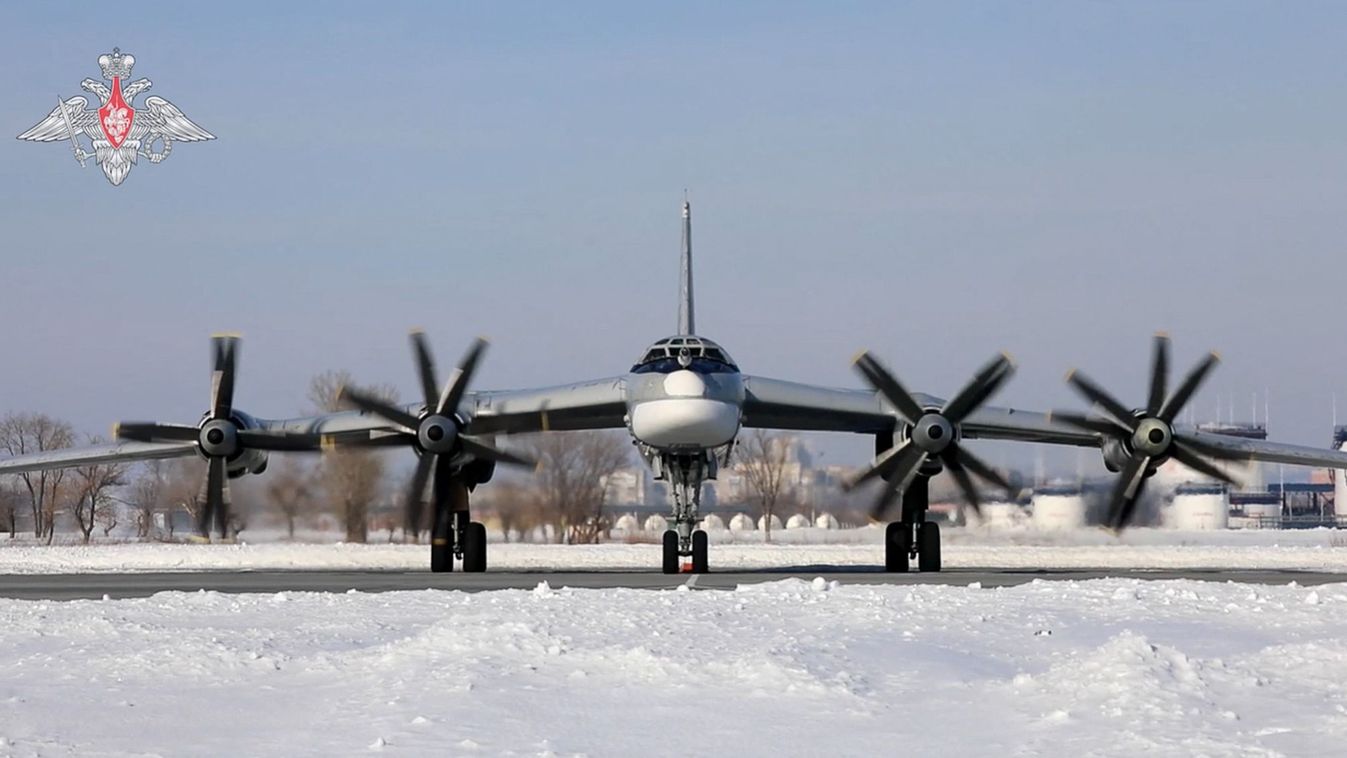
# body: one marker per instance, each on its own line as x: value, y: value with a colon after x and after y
x: 685, y: 474
x: 454, y: 535
x: 913, y: 537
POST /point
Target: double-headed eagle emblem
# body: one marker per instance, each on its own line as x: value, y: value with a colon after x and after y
x: 120, y: 132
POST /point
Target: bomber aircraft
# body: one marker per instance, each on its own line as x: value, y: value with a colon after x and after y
x: 684, y: 403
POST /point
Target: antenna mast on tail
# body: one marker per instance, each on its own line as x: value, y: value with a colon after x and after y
x: 685, y: 318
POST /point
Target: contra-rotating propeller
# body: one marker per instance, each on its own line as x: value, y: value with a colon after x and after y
x: 438, y: 434
x: 1147, y: 435
x: 930, y: 433
x: 220, y: 437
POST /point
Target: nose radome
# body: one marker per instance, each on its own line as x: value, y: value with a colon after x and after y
x: 684, y: 384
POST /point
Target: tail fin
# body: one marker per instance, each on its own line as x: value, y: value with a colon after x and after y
x: 686, y: 320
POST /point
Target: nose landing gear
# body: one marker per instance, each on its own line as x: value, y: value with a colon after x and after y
x: 455, y: 535
x: 685, y: 474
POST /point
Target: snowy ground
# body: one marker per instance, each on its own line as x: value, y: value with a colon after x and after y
x: 1317, y: 550
x: 1108, y: 667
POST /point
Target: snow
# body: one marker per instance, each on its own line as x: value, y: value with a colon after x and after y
x: 1106, y: 667
x: 1311, y: 550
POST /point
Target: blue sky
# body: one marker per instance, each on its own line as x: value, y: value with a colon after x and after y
x: 933, y: 181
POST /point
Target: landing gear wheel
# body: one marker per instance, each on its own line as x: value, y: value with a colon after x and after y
x: 699, y: 552
x: 928, y: 547
x: 670, y: 552
x: 897, y: 546
x: 441, y: 556
x: 474, y: 547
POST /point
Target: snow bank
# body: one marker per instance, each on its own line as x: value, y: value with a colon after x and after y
x: 1110, y: 667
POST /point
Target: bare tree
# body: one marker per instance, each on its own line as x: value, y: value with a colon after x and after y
x: 92, y: 492
x: 516, y: 506
x: 146, y: 497
x: 762, y: 458
x: 290, y: 486
x: 571, y: 473
x: 23, y: 433
x: 352, y: 478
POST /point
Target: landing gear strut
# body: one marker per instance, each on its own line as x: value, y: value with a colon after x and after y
x: 454, y: 535
x: 685, y: 474
x: 913, y: 536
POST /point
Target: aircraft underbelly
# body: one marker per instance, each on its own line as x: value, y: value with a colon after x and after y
x: 684, y: 422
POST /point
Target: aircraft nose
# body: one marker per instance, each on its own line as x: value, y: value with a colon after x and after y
x: 684, y: 384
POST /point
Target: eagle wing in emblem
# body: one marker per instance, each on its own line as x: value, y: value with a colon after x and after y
x: 165, y: 118
x: 53, y: 127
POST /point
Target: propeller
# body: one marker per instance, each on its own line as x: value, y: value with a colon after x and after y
x: 220, y: 437
x: 930, y: 433
x: 1147, y: 434
x: 438, y: 434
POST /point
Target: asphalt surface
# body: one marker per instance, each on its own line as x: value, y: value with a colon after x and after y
x: 95, y: 586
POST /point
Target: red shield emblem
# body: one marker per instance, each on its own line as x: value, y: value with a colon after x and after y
x: 116, y: 116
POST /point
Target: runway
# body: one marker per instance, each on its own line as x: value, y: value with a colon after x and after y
x: 131, y: 585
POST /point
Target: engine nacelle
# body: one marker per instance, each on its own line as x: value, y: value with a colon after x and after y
x: 245, y: 461
x: 1115, y: 455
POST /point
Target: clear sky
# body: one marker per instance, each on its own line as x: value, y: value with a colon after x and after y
x: 934, y: 181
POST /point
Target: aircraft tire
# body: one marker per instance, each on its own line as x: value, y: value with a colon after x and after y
x: 928, y: 546
x: 474, y: 547
x: 700, y: 550
x: 897, y: 546
x: 671, y: 552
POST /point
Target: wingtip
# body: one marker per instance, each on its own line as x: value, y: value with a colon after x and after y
x: 1071, y: 374
x: 1010, y: 359
x: 859, y: 356
x: 1161, y: 334
x: 226, y: 335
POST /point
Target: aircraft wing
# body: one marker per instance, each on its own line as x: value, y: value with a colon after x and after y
x: 85, y: 456
x: 597, y: 404
x: 777, y: 404
x: 1268, y: 452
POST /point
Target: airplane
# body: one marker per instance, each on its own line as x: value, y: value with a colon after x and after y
x: 684, y: 403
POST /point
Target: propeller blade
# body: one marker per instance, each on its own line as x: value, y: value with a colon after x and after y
x: 883, y: 466
x: 222, y: 503
x: 416, y: 493
x: 146, y: 431
x: 887, y: 385
x: 885, y: 503
x: 1088, y: 423
x: 965, y: 483
x: 1127, y: 492
x: 908, y: 463
x: 1190, y: 458
x: 371, y: 404
x: 975, y: 464
x: 223, y: 375
x: 478, y: 449
x: 457, y: 386
x: 983, y: 385
x: 1210, y: 449
x: 1096, y: 394
x: 214, y: 495
x: 425, y: 366
x: 1159, y: 374
x: 1184, y: 393
x: 292, y: 442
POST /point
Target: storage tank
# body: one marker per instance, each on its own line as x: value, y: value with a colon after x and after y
x: 742, y: 523
x: 656, y: 523
x: 1198, y: 506
x: 826, y: 521
x: 626, y: 524
x: 776, y: 522
x: 713, y: 523
x: 798, y: 521
x: 1058, y: 508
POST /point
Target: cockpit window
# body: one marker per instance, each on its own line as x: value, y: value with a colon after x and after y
x: 693, y: 353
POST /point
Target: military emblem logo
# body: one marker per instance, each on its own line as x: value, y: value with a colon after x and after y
x: 120, y: 132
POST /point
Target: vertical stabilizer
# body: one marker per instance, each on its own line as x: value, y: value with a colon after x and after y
x: 685, y: 318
